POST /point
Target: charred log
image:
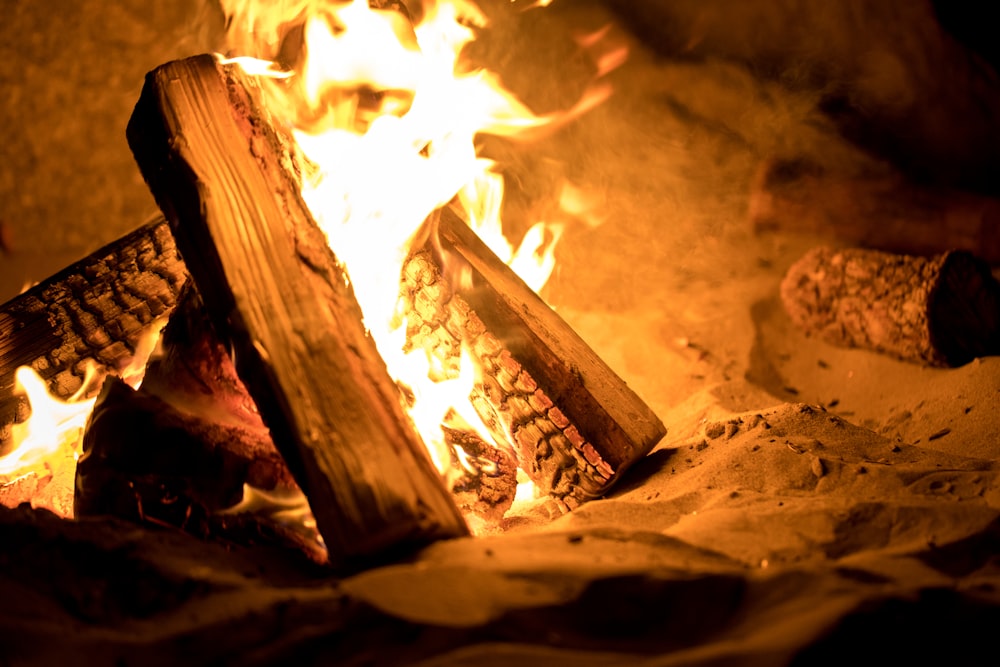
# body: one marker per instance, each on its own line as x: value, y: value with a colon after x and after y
x: 277, y: 295
x: 607, y: 424
x: 95, y: 311
x: 146, y: 461
x: 183, y: 448
x: 551, y: 446
x: 943, y: 311
x: 487, y: 476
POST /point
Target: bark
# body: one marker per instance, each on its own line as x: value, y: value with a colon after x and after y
x: 277, y: 295
x: 884, y: 213
x: 97, y: 310
x: 942, y: 311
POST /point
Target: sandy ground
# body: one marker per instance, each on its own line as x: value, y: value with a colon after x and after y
x: 803, y: 504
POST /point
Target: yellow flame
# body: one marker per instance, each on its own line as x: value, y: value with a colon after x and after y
x: 386, y: 115
x: 55, y: 427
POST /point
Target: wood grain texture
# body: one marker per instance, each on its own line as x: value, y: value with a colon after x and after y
x: 96, y: 310
x: 275, y: 290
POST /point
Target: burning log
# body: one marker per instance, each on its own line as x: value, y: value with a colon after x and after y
x: 182, y: 449
x: 576, y: 425
x: 943, y: 311
x: 96, y: 310
x: 488, y: 481
x: 277, y: 294
x: 881, y: 213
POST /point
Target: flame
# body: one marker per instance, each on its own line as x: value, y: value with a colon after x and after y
x: 386, y: 115
x: 53, y: 433
x: 54, y: 425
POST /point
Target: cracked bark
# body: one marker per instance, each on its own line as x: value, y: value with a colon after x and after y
x: 96, y: 310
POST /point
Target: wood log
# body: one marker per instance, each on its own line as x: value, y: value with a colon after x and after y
x: 885, y: 213
x: 575, y: 424
x: 96, y: 310
x: 276, y: 293
x: 486, y: 481
x: 942, y: 311
x: 580, y: 384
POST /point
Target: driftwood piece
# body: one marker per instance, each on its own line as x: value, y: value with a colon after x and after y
x: 942, y: 311
x: 884, y: 213
x: 276, y: 292
x: 97, y: 309
x: 575, y: 425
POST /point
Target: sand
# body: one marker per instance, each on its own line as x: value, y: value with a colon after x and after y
x: 809, y: 504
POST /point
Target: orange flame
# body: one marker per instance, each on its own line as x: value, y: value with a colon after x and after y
x: 387, y: 114
x: 53, y: 433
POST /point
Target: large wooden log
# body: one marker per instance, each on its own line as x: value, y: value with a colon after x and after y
x: 575, y: 424
x: 275, y: 291
x: 942, y: 311
x: 885, y: 213
x: 96, y: 310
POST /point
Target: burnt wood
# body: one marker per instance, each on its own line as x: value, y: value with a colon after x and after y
x: 576, y: 424
x: 506, y: 397
x: 939, y: 311
x: 97, y: 309
x: 181, y: 449
x: 274, y: 290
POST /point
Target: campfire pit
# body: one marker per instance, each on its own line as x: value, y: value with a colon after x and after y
x: 810, y: 501
x: 228, y: 180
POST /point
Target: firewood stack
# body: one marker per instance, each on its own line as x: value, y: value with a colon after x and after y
x: 270, y: 379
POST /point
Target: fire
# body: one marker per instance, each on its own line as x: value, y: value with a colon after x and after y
x: 50, y: 441
x: 387, y: 116
x: 55, y: 425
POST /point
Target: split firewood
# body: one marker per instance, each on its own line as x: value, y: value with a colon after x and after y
x: 94, y: 312
x: 942, y: 311
x: 884, y: 213
x: 146, y: 461
x: 276, y: 293
x: 575, y: 424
